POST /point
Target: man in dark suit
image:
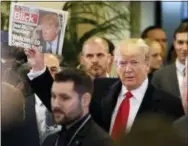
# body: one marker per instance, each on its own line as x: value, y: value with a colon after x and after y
x: 70, y: 96
x: 133, y: 92
x: 169, y: 78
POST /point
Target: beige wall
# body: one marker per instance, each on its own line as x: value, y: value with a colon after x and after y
x: 54, y: 5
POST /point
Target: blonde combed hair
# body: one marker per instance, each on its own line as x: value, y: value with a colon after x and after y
x: 138, y: 42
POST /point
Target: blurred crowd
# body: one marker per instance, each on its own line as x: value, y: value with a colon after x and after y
x: 133, y: 94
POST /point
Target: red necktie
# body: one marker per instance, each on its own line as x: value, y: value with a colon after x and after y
x: 122, y: 117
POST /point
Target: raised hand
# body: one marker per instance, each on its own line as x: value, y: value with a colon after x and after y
x: 35, y: 59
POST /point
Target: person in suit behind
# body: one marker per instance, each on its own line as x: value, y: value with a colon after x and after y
x: 158, y: 34
x: 95, y: 57
x: 171, y: 58
x: 133, y: 92
x: 155, y: 50
x: 182, y: 124
x: 111, y: 68
x: 169, y: 78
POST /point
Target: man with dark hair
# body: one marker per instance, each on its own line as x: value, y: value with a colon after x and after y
x: 158, y: 34
x: 170, y: 78
x: 70, y: 96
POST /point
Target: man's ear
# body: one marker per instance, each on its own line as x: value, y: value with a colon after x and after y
x: 81, y: 58
x: 147, y: 61
x: 86, y: 99
x: 174, y: 43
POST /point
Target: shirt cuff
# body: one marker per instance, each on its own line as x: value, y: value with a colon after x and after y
x: 32, y: 75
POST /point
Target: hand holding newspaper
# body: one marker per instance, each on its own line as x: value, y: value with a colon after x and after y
x: 34, y: 27
x: 35, y: 59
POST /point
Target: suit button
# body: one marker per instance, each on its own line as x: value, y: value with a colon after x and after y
x: 77, y: 142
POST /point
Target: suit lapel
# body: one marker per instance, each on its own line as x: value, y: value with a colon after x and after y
x: 173, y: 82
x: 78, y: 139
x: 147, y: 101
x: 31, y: 121
x: 58, y: 45
x: 109, y: 103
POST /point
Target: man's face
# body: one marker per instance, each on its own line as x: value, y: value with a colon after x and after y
x: 132, y: 68
x: 181, y: 46
x: 95, y: 59
x: 160, y: 36
x: 52, y: 63
x: 49, y: 30
x: 156, y: 58
x: 66, y: 103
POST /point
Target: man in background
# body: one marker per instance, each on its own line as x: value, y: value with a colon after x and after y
x: 95, y: 57
x: 170, y: 78
x: 158, y: 34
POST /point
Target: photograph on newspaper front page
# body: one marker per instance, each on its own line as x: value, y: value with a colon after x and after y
x: 34, y: 27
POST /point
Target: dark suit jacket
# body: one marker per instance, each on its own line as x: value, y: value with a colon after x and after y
x: 154, y: 101
x: 181, y: 125
x: 166, y: 79
x: 101, y: 88
x: 27, y: 133
x: 90, y: 135
x: 30, y: 128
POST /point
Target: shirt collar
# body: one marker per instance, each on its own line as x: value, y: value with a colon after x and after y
x: 54, y: 42
x: 38, y: 101
x: 139, y: 92
x: 72, y: 129
x: 180, y: 67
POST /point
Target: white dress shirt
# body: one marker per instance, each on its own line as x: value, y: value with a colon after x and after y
x: 135, y: 102
x: 53, y: 45
x: 40, y: 110
x: 32, y: 75
x: 43, y: 129
x: 180, y: 73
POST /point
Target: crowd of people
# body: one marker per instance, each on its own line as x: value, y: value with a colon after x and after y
x: 145, y: 103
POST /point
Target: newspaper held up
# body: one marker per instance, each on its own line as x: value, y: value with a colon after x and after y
x: 32, y: 27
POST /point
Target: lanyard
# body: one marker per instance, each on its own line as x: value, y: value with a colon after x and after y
x: 79, y: 128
